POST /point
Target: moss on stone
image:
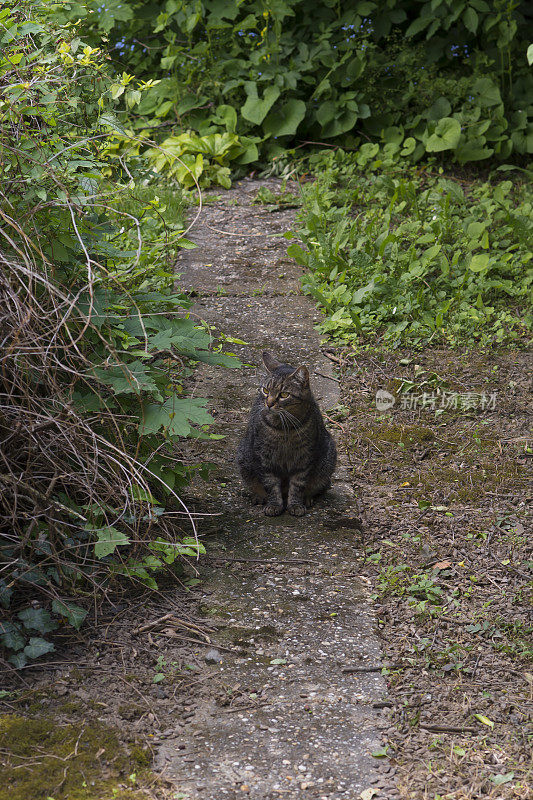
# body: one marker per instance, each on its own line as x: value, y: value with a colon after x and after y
x: 395, y: 434
x: 43, y: 758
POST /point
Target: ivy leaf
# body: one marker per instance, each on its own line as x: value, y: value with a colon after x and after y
x: 255, y: 109
x: 285, y: 121
x: 74, y: 614
x: 530, y: 54
x: 5, y: 594
x: 38, y: 647
x: 11, y: 637
x: 446, y: 136
x: 109, y: 539
x: 37, y: 618
x: 18, y: 660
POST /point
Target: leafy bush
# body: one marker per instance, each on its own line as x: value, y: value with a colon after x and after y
x: 414, y: 255
x: 95, y: 345
x: 190, y: 158
x: 435, y: 76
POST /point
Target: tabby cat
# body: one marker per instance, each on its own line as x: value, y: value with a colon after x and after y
x: 287, y: 456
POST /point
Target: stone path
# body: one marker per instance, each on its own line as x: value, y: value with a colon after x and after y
x: 285, y: 629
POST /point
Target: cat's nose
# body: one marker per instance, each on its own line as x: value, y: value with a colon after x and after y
x: 270, y: 401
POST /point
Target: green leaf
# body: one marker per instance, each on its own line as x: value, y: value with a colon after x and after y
x: 116, y: 90
x: 132, y: 378
x: 216, y: 359
x: 487, y: 92
x: 38, y: 647
x: 142, y: 495
x: 446, y: 136
x: 408, y: 146
x: 475, y: 230
x: 228, y: 115
x: 471, y: 19
x: 11, y: 636
x: 109, y: 120
x: 6, y: 592
x: 298, y: 253
x: 38, y: 619
x: 485, y: 720
x: 175, y: 416
x: 74, y: 614
x: 277, y: 661
x: 530, y: 54
x: 479, y: 262
x: 285, y: 122
x: 18, y: 660
x: 499, y: 780
x: 109, y: 539
x: 255, y: 109
x: 363, y: 292
x: 418, y: 25
x: 439, y: 109
x: 473, y: 150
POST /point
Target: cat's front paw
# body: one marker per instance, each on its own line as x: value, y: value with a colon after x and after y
x: 273, y: 510
x: 297, y: 510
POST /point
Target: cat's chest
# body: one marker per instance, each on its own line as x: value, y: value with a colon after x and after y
x: 285, y: 451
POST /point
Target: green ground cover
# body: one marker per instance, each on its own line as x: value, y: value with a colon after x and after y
x: 413, y: 254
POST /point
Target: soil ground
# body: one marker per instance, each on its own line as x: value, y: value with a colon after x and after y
x: 445, y: 494
x: 235, y: 687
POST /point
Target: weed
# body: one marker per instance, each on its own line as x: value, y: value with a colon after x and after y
x: 412, y: 256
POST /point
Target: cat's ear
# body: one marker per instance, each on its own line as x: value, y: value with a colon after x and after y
x: 302, y: 375
x: 270, y: 362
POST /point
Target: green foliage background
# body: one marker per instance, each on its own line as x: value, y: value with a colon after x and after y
x: 96, y: 344
x: 429, y: 76
x: 415, y: 256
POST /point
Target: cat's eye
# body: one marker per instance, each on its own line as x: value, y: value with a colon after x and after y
x: 284, y: 395
x: 264, y: 391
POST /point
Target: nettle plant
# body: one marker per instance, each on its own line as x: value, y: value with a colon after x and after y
x: 413, y: 256
x: 95, y: 347
x: 438, y: 76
